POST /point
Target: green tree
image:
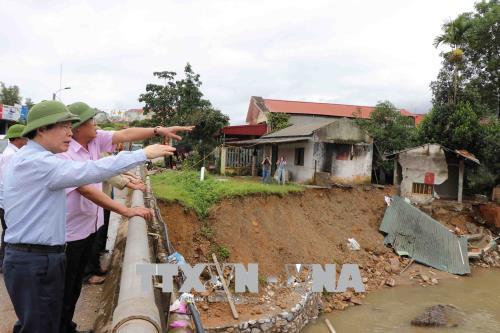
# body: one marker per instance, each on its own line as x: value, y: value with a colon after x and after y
x: 390, y: 130
x: 455, y: 129
x: 466, y: 98
x: 181, y: 102
x: 9, y: 95
x: 470, y: 70
x: 454, y: 35
x: 278, y: 120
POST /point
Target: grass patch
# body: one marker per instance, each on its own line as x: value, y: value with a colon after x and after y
x: 223, y: 253
x: 186, y: 187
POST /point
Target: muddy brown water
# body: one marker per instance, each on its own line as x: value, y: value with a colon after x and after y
x: 391, y: 310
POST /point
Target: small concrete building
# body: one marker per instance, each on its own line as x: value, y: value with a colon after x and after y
x: 322, y: 151
x: 430, y: 171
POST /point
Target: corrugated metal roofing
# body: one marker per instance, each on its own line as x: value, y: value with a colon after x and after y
x: 299, y: 129
x: 426, y: 240
x: 262, y: 141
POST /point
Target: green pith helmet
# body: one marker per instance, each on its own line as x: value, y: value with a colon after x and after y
x: 47, y: 113
x: 15, y: 131
x: 83, y: 111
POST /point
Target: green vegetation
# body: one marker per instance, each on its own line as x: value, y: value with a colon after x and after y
x: 186, y: 187
x: 207, y: 232
x: 223, y: 253
x: 278, y: 121
x: 9, y: 95
x: 390, y: 130
x: 466, y: 95
x: 465, y: 99
x: 180, y: 101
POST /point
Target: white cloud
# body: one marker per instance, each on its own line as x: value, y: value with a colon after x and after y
x: 358, y: 52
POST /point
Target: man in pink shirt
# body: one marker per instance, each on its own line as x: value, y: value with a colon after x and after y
x: 84, y: 215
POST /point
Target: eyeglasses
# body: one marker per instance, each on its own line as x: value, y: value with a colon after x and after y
x: 66, y: 127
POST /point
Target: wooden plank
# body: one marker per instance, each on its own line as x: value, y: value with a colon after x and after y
x: 409, y: 264
x: 330, y: 326
x: 460, y: 179
x: 224, y: 285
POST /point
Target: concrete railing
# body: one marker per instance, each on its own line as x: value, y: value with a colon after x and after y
x: 136, y: 310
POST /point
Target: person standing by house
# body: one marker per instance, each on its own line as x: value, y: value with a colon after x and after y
x: 84, y: 212
x: 34, y: 201
x: 16, y: 142
x: 266, y: 169
x: 281, y: 170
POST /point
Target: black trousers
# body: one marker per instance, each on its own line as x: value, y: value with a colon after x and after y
x: 4, y: 227
x: 77, y: 256
x: 35, y: 283
x: 99, y: 246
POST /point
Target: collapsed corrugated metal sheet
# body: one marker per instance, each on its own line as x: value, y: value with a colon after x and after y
x: 412, y: 232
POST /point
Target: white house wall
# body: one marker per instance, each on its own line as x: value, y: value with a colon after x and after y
x: 298, y: 173
x: 418, y: 162
x: 357, y: 168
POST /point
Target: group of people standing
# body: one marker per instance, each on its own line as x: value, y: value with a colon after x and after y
x: 280, y: 170
x: 53, y: 207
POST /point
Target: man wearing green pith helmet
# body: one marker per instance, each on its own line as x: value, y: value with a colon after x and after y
x: 84, y: 204
x: 16, y: 142
x: 34, y: 200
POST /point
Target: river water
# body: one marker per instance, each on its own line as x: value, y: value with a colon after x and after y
x: 391, y: 310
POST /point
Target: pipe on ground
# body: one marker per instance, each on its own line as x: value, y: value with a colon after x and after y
x: 136, y: 310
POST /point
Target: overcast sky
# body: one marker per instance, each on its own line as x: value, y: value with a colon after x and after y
x: 350, y: 52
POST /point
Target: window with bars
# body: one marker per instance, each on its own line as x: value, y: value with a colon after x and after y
x: 421, y: 188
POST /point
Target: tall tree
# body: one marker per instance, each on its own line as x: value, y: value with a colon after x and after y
x: 466, y: 99
x: 390, y: 130
x: 454, y: 35
x: 181, y: 102
x: 470, y: 71
x: 9, y: 95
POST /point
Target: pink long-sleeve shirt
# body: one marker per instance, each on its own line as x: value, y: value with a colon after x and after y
x: 83, y: 217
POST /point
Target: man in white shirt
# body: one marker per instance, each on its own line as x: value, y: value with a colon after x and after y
x: 15, y: 143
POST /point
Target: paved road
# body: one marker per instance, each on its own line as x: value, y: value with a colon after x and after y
x: 85, y: 309
x: 6, y: 311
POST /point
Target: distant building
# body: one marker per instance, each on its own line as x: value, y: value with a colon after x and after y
x: 135, y: 114
x: 12, y: 114
x: 300, y: 113
x: 260, y: 107
x: 101, y: 117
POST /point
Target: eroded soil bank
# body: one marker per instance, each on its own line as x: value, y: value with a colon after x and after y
x: 310, y: 227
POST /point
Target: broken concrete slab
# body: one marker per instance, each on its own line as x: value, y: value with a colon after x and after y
x: 414, y: 233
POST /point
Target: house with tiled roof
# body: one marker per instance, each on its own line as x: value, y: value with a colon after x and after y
x: 260, y: 107
x: 300, y: 112
x: 323, y: 143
